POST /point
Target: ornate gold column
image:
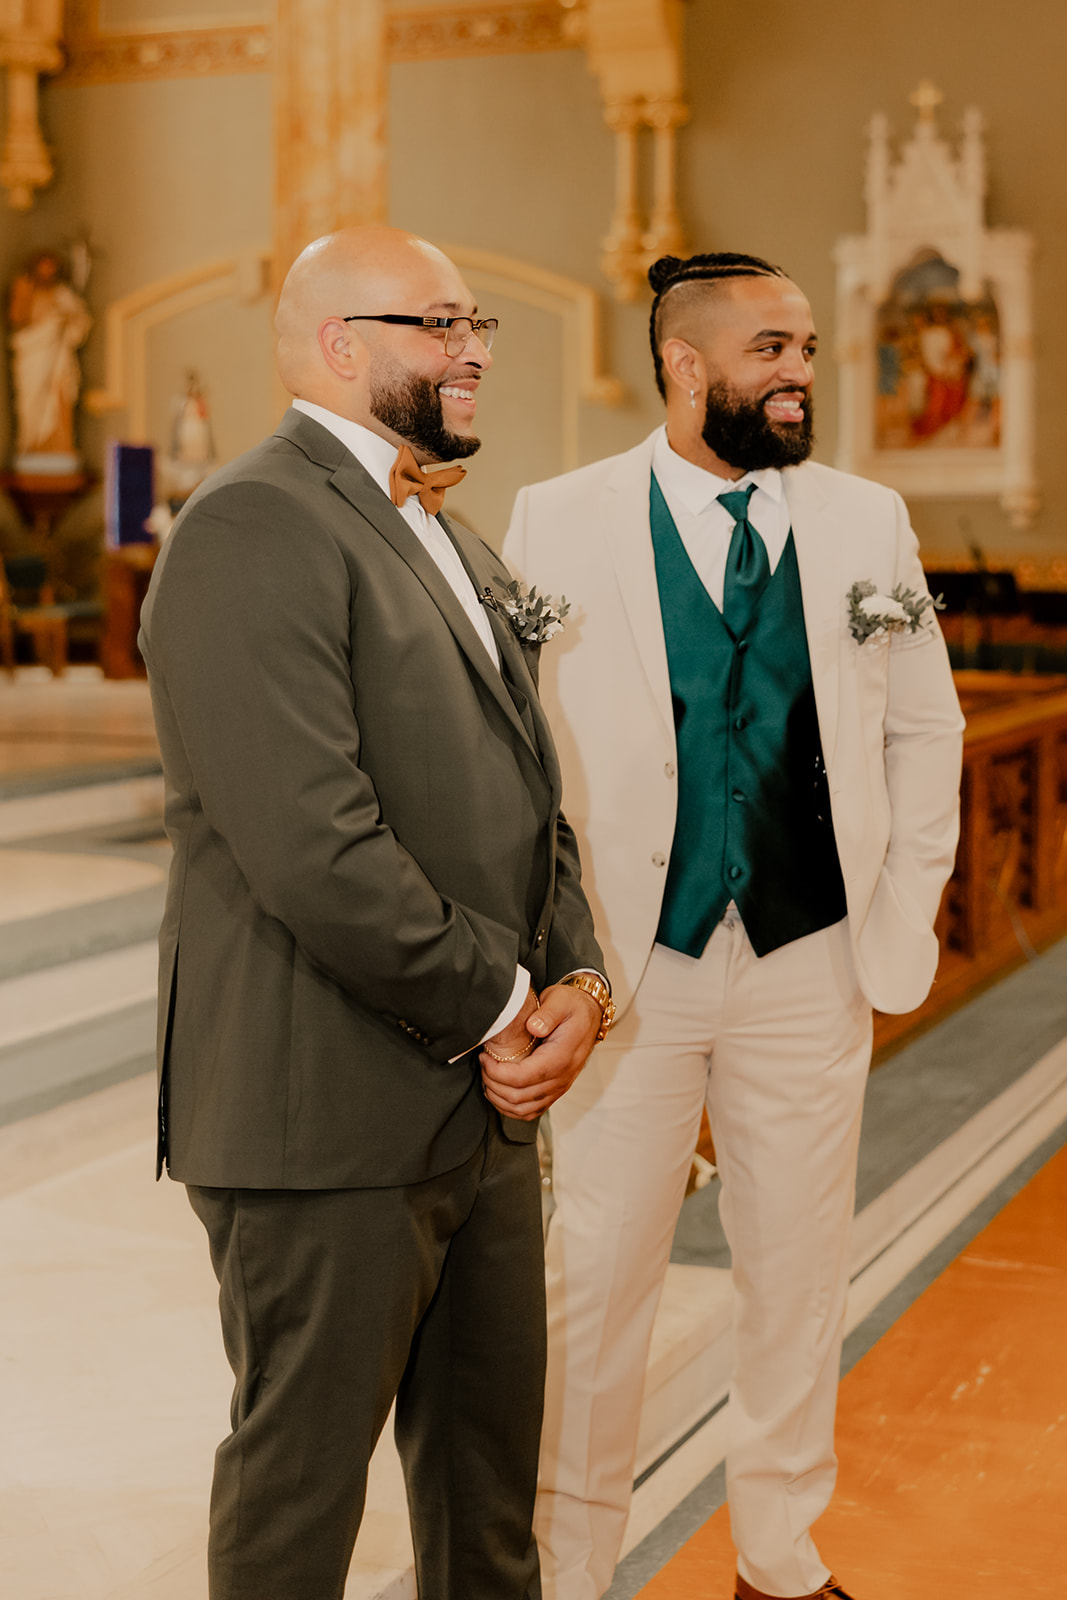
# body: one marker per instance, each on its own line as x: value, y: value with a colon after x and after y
x: 636, y: 50
x: 665, y: 235
x: 330, y: 113
x: 30, y: 31
x: 621, y: 250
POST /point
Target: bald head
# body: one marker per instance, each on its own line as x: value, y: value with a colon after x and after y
x: 369, y: 270
x: 396, y: 377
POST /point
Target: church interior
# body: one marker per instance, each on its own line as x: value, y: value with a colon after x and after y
x: 164, y: 162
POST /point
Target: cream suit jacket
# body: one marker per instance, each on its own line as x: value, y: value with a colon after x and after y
x: 888, y: 714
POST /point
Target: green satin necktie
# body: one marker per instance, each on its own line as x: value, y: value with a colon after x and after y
x: 747, y: 567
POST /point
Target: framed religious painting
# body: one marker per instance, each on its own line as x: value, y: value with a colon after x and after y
x: 934, y: 332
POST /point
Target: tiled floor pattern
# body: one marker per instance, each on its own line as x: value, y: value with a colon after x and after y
x: 952, y: 1433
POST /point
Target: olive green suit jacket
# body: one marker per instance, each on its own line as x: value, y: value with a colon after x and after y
x: 365, y: 816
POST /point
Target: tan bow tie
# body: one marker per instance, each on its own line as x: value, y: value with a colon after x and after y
x: 406, y: 477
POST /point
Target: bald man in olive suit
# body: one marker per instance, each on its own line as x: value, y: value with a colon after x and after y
x: 371, y: 879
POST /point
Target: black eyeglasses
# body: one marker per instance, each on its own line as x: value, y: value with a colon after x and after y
x: 459, y: 331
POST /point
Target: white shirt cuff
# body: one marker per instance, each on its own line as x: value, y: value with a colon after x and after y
x: 515, y: 1004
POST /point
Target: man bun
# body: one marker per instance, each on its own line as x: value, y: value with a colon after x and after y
x: 664, y: 272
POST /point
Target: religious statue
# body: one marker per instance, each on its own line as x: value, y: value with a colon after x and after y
x: 49, y: 323
x: 192, y: 443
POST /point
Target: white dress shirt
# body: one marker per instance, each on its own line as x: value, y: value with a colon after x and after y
x: 377, y: 455
x: 705, y: 527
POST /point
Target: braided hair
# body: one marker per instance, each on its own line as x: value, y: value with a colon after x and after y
x: 670, y: 271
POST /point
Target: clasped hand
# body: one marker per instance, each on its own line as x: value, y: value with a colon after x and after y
x: 560, y: 1029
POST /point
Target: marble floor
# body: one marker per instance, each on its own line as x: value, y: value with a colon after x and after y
x: 113, y: 1386
x: 74, y: 729
x: 114, y: 1389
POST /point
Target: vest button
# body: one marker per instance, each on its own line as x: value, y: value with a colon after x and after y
x: 735, y: 873
x: 668, y: 770
x: 738, y: 794
x: 742, y: 646
x: 659, y: 859
x: 740, y: 723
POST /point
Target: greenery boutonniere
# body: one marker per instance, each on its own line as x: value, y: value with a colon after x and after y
x: 535, y: 618
x: 871, y: 614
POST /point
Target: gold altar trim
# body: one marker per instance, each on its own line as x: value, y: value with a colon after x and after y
x: 475, y: 30
x: 132, y: 57
x: 423, y: 33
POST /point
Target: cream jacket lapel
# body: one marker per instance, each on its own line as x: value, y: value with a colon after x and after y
x: 627, y: 545
x: 487, y: 572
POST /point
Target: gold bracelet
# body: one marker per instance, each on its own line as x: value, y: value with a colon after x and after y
x: 517, y: 1057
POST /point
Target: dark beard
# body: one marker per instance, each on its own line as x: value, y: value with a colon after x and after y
x: 411, y: 407
x: 740, y: 433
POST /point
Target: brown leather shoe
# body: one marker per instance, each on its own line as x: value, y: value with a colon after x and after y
x: 831, y: 1590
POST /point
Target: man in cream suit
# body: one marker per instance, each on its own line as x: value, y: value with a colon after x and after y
x: 371, y: 876
x: 766, y: 808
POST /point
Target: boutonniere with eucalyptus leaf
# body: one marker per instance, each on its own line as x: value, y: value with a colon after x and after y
x: 534, y: 618
x: 871, y: 614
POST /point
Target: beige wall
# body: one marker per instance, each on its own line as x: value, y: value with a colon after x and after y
x: 510, y: 154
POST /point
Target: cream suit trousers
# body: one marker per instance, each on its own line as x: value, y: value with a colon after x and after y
x: 778, y: 1048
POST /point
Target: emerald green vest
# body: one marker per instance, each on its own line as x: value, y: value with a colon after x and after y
x: 753, y: 822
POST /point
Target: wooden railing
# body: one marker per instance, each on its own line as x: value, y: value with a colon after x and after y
x: 1008, y: 893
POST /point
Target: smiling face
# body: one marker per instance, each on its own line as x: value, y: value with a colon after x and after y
x: 395, y: 379
x: 741, y: 377
x: 418, y: 392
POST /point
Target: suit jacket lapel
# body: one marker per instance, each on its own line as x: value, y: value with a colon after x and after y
x: 628, y: 549
x: 360, y: 489
x: 819, y: 540
x: 357, y: 486
x: 483, y: 569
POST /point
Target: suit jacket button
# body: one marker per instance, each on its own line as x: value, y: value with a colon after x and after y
x: 540, y: 939
x: 668, y: 770
x: 659, y: 859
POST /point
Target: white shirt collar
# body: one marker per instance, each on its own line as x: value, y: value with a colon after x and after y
x: 697, y: 488
x: 370, y: 449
